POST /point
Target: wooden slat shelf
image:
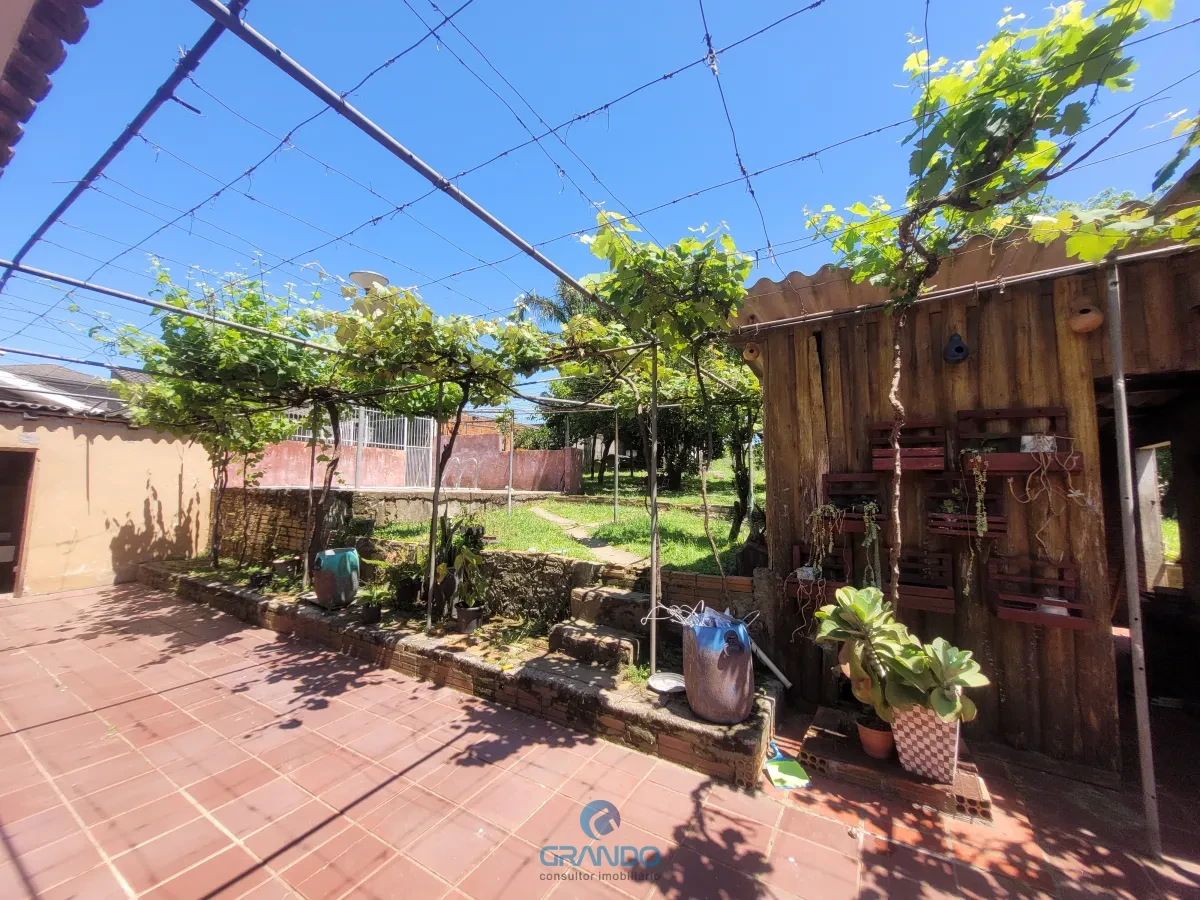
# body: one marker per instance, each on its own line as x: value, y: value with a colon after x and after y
x: 922, y: 446
x: 1038, y: 592
x: 1005, y: 454
x: 960, y: 492
x: 849, y: 493
x: 926, y: 580
x: 836, y: 572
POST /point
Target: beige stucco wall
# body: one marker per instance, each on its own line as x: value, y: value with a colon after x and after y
x: 106, y: 497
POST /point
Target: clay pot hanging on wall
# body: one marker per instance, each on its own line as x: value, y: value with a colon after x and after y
x: 1085, y: 319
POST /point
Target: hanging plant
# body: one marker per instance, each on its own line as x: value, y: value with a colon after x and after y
x: 1040, y: 484
x: 870, y: 544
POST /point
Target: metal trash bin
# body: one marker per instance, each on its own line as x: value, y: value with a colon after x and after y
x: 718, y: 667
x: 335, y: 577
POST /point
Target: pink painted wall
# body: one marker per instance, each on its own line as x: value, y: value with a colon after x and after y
x: 533, y: 470
x: 286, y: 465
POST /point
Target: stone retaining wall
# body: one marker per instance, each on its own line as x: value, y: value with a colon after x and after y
x: 732, y: 753
x: 519, y: 585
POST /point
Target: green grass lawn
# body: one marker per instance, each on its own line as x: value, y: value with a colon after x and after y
x: 683, y: 544
x: 523, y: 531
x: 720, y: 485
x: 1170, y: 533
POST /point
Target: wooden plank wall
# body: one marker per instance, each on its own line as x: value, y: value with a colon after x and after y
x: 1053, y: 690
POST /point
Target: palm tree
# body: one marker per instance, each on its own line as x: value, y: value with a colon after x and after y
x: 567, y: 301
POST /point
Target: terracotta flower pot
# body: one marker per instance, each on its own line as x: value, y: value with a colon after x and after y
x: 876, y: 737
x: 927, y: 745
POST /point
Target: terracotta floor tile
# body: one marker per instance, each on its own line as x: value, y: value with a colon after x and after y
x: 455, y: 845
x: 328, y: 771
x: 429, y: 717
x: 169, y: 854
x: 32, y: 832
x: 260, y: 807
x: 102, y: 775
x: 736, y: 841
x: 754, y: 805
x: 27, y: 801
x: 627, y: 760
x: 974, y: 884
x: 52, y: 864
x: 98, y: 883
x: 509, y: 800
x: 338, y: 864
x: 318, y: 712
x: 120, y: 798
x: 416, y: 760
x: 550, y: 767
x: 685, y: 873
x: 296, y: 834
x: 299, y: 751
x: 350, y: 727
x: 809, y: 870
x: 231, y: 873
x: 234, y: 782
x: 661, y: 811
x: 383, y: 737
x: 555, y: 822
x: 141, y: 734
x: 906, y: 874
x: 501, y: 747
x: 143, y: 824
x: 829, y: 833
x: 596, y: 781
x: 402, y: 818
x: 461, y: 778
x: 418, y: 883
x: 677, y: 778
x: 512, y: 871
x: 592, y: 889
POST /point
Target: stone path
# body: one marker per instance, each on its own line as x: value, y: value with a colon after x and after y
x: 605, y: 551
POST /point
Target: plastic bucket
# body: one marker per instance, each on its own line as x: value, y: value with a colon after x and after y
x: 335, y: 577
x: 718, y: 668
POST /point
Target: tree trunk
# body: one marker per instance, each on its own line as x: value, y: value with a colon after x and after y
x: 314, y: 425
x: 704, y: 459
x: 441, y: 462
x: 245, y: 510
x: 604, y: 459
x: 220, y: 479
x: 739, y: 449
x: 315, y: 538
x: 897, y: 424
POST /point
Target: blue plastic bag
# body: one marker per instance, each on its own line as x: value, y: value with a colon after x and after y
x: 718, y: 667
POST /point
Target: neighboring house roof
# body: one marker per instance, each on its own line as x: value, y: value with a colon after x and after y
x: 38, y: 52
x: 56, y: 390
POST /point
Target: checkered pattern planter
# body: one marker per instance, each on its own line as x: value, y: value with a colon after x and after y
x: 927, y: 745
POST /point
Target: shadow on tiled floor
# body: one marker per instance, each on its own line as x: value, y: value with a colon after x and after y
x: 154, y: 747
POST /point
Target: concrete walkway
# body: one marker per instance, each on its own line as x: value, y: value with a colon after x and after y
x: 605, y: 551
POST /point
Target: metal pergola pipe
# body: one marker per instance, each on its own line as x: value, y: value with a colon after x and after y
x: 652, y: 465
x: 1129, y: 548
x: 348, y: 111
x: 187, y: 64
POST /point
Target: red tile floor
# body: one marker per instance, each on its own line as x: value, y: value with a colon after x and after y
x: 155, y: 748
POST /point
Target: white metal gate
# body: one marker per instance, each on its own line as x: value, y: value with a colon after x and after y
x: 412, y: 435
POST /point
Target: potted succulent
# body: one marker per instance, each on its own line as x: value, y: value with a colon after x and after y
x: 870, y: 637
x: 370, y: 601
x: 925, y: 689
x: 468, y: 610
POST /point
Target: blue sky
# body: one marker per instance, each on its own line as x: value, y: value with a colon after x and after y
x: 823, y: 76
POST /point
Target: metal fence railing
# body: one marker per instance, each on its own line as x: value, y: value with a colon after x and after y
x: 368, y: 427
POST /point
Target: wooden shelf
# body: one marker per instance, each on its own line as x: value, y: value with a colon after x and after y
x: 849, y: 493
x: 926, y: 581
x: 1038, y: 592
x: 835, y: 572
x: 1005, y: 454
x: 961, y: 523
x: 922, y: 446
